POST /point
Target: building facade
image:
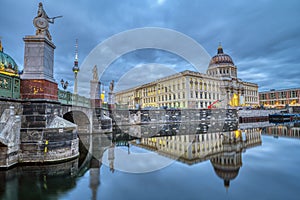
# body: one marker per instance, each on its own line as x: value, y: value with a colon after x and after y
x: 219, y: 87
x: 280, y: 98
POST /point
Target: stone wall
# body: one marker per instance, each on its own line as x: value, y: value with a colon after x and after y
x: 41, y: 141
x: 127, y: 117
x: 41, y: 135
x: 9, y: 133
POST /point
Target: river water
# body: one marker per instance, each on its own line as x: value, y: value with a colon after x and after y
x: 250, y: 163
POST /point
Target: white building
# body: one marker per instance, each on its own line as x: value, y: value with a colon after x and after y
x: 219, y: 87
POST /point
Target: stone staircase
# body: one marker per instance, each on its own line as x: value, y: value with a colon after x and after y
x: 10, y: 125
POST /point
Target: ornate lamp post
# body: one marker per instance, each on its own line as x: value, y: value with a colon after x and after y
x: 64, y: 84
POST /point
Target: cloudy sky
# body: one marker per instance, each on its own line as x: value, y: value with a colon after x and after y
x: 261, y: 36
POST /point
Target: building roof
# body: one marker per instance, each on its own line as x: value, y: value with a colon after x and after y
x: 221, y: 58
x: 279, y: 90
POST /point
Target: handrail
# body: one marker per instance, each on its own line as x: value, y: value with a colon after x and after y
x: 69, y: 98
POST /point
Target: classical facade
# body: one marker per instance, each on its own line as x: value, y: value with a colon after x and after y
x: 219, y: 87
x: 280, y: 98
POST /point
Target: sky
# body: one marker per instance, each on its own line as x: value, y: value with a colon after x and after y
x: 261, y: 36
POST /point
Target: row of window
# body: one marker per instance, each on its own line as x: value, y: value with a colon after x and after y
x: 193, y: 94
x: 280, y: 102
x: 280, y: 95
x: 222, y: 71
x: 251, y: 99
x: 184, y: 104
x: 251, y: 92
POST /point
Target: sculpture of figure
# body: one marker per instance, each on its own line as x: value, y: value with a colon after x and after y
x: 111, y: 86
x: 43, y: 14
x: 41, y: 22
x: 95, y: 73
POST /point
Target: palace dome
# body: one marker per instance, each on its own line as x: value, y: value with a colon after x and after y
x: 221, y: 58
x: 7, y: 63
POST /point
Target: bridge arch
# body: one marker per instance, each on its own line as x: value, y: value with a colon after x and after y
x: 80, y: 119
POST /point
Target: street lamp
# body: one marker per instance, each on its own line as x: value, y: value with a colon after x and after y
x: 64, y: 84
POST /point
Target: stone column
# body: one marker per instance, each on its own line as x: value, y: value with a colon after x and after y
x: 37, y: 80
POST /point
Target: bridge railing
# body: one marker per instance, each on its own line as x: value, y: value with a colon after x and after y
x: 9, y: 86
x: 69, y: 98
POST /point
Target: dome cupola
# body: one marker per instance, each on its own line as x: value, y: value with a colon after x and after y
x: 7, y: 64
x: 221, y: 65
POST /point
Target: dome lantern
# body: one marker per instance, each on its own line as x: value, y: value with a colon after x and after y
x: 220, y: 49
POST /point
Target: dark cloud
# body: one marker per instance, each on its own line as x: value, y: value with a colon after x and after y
x: 262, y: 36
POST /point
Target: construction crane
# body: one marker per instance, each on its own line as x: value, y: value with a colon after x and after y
x: 211, y: 105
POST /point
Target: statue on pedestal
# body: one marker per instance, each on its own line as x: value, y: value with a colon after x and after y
x: 111, y: 86
x: 95, y: 74
x: 41, y: 22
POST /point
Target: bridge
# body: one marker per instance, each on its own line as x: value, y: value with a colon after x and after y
x: 44, y: 130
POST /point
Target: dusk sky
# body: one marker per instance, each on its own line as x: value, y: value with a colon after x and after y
x: 261, y: 36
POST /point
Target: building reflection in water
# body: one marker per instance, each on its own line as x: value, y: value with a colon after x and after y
x: 291, y: 130
x: 223, y: 149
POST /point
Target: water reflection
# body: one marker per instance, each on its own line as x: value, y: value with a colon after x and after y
x: 38, y: 182
x: 291, y: 130
x: 186, y: 143
x: 223, y: 149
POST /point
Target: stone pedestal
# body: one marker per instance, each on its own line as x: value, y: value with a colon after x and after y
x: 37, y: 79
x: 38, y: 58
x: 95, y: 93
x: 111, y: 98
x: 38, y: 89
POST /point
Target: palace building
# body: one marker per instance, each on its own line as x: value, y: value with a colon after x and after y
x: 219, y: 87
